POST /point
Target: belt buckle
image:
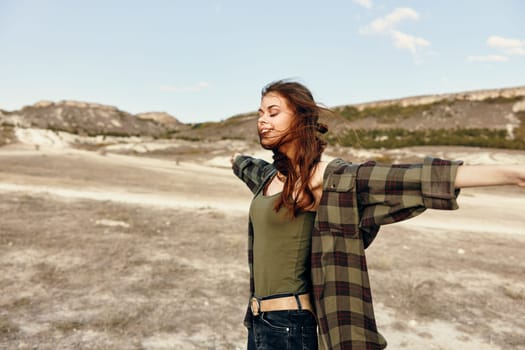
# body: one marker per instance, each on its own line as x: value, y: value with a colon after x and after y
x: 255, y: 306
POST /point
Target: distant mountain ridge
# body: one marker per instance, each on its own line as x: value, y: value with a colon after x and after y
x: 474, y: 95
x: 487, y: 118
x: 484, y: 118
x: 91, y: 119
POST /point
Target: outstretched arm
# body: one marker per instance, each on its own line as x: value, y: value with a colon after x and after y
x: 232, y: 158
x: 490, y: 175
x: 254, y: 172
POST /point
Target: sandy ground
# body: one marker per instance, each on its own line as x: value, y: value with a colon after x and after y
x: 124, y: 252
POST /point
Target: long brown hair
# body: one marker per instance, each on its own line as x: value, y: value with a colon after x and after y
x: 304, y: 130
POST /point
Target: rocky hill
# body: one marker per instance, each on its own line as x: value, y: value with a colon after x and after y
x: 486, y: 118
x: 91, y: 119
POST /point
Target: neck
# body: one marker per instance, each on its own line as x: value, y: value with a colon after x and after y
x: 289, y: 149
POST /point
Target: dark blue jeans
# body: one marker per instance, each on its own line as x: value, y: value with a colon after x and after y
x: 283, y: 330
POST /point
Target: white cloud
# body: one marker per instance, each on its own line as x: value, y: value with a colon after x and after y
x: 387, y: 26
x: 407, y: 41
x: 410, y: 43
x: 517, y: 51
x: 505, y: 43
x: 365, y: 3
x: 508, y: 46
x: 487, y: 58
x: 189, y: 88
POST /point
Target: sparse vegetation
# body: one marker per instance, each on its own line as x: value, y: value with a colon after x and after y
x: 418, y: 296
x: 197, y: 126
x: 478, y: 122
x: 236, y: 119
x: 503, y: 99
x: 7, y: 328
x: 189, y: 138
x: 514, y: 292
x: 519, y: 132
x: 240, y: 138
x: 396, y: 138
x: 385, y: 113
x: 7, y: 134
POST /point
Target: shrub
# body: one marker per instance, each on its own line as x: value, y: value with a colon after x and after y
x: 396, y: 138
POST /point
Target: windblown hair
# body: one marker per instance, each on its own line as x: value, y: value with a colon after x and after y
x: 297, y: 196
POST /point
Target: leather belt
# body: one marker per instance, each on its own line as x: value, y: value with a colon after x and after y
x: 292, y: 302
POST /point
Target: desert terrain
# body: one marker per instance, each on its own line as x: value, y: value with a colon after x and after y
x: 105, y: 250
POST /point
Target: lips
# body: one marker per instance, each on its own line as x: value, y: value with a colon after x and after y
x: 264, y: 131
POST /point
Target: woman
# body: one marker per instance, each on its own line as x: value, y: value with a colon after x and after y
x: 311, y: 220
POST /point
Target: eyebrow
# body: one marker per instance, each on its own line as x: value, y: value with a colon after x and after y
x: 269, y: 107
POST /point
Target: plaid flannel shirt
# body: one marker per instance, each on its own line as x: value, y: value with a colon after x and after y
x: 356, y: 200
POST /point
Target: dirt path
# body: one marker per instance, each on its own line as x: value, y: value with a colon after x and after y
x: 121, y: 178
x: 174, y: 201
x: 122, y: 252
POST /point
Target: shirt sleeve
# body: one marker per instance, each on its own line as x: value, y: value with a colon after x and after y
x: 250, y: 170
x: 391, y: 193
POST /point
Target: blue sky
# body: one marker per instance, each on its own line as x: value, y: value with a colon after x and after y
x: 206, y: 60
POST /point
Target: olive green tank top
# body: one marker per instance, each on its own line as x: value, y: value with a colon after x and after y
x: 281, y: 248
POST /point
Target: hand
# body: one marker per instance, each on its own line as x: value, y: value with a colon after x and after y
x: 232, y: 159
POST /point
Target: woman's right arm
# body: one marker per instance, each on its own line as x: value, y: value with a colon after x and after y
x: 490, y: 175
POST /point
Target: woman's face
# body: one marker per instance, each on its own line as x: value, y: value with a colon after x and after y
x: 275, y: 120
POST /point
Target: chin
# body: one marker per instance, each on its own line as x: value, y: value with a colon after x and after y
x: 265, y: 145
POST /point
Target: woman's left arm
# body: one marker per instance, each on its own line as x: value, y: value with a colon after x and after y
x: 490, y: 175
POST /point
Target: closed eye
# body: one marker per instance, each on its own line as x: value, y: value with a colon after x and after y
x: 274, y: 111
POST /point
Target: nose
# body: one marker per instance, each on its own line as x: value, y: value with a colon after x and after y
x: 262, y: 119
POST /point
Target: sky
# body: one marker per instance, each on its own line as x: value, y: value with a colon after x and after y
x: 207, y: 60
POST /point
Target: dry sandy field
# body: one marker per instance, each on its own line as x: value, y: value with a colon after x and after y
x: 122, y: 251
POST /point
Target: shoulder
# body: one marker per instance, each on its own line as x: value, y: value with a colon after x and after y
x: 325, y: 169
x: 339, y: 166
x: 318, y: 175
